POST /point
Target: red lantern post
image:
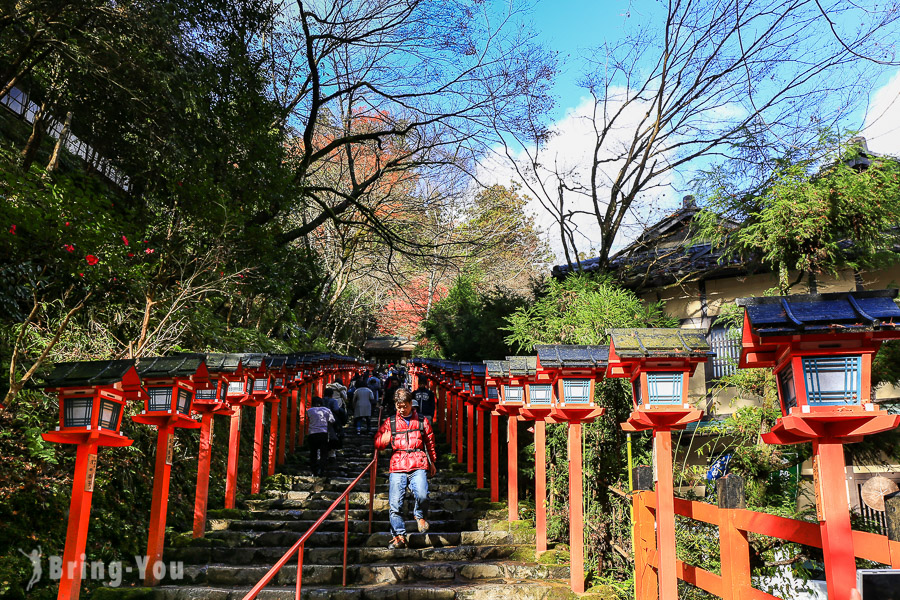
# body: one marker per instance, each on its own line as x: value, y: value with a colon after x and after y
x: 512, y: 398
x: 91, y: 398
x: 238, y: 396
x: 259, y: 394
x: 493, y: 382
x: 276, y: 373
x: 484, y: 408
x: 170, y: 383
x: 659, y: 363
x: 223, y: 368
x: 820, y: 347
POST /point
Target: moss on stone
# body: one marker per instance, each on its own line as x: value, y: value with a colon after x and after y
x: 112, y: 593
x: 523, y: 554
x: 227, y: 513
x: 554, y: 557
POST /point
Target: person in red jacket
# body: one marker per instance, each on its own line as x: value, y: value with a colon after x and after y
x: 412, y: 440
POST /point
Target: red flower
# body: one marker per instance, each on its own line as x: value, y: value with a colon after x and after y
x: 130, y: 254
x: 91, y: 259
x: 12, y: 230
x: 149, y: 251
x: 69, y: 248
x: 67, y: 223
x: 81, y: 274
x: 125, y: 240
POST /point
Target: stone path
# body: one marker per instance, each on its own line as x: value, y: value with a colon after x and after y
x: 470, y: 553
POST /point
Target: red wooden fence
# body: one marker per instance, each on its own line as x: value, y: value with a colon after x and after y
x: 734, y: 526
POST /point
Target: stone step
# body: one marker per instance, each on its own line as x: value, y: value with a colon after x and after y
x: 454, y: 590
x: 356, y: 514
x: 340, y: 484
x: 355, y: 555
x: 375, y: 573
x: 287, y: 538
x: 452, y: 502
x: 333, y: 525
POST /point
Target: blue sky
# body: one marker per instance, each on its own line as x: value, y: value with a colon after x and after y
x: 573, y: 27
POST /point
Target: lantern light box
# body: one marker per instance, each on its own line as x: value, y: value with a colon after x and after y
x: 572, y: 371
x: 659, y: 363
x: 821, y: 348
x: 91, y: 396
x: 478, y: 375
x: 170, y: 383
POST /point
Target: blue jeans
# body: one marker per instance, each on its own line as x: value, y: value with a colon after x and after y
x: 418, y: 483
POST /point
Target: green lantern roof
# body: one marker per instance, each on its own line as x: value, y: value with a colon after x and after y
x: 658, y: 342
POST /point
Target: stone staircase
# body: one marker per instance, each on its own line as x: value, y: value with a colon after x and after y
x: 471, y: 551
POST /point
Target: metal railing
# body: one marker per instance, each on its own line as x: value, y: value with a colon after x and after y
x: 298, y: 547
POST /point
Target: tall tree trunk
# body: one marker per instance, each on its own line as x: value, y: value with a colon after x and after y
x: 29, y: 152
x: 60, y: 143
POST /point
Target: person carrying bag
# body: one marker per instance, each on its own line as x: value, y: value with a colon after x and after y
x: 413, y: 460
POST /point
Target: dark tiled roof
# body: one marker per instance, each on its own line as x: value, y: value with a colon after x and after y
x: 182, y: 365
x: 632, y: 342
x: 496, y: 368
x: 86, y: 373
x: 253, y: 360
x: 570, y: 356
x: 521, y: 365
x: 223, y: 363
x: 843, y: 311
x: 478, y: 370
x: 276, y: 361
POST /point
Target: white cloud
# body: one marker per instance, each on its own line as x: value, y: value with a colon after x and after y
x: 570, y: 151
x: 882, y: 125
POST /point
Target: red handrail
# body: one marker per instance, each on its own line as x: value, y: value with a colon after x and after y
x: 372, y: 467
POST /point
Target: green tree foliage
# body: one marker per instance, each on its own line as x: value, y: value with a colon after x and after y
x: 579, y: 310
x: 815, y: 215
x: 468, y: 323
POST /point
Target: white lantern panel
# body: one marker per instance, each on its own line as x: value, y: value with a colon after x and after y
x: 160, y: 399
x: 832, y: 380
x: 513, y: 393
x: 109, y: 414
x: 77, y: 412
x: 184, y: 402
x: 540, y: 394
x: 664, y: 388
x: 577, y: 391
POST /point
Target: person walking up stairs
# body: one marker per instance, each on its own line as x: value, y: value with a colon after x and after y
x: 469, y: 552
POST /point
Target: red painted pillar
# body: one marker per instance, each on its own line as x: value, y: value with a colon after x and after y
x: 256, y: 472
x: 295, y: 398
x: 495, y: 457
x: 665, y: 516
x: 576, y: 508
x: 234, y: 445
x: 79, y: 515
x: 451, y: 422
x: 282, y: 427
x: 160, y: 504
x: 438, y: 406
x: 512, y: 468
x: 203, y: 460
x: 479, y: 470
x: 470, y: 449
x: 460, y: 428
x: 273, y: 437
x: 834, y: 517
x: 540, y: 484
